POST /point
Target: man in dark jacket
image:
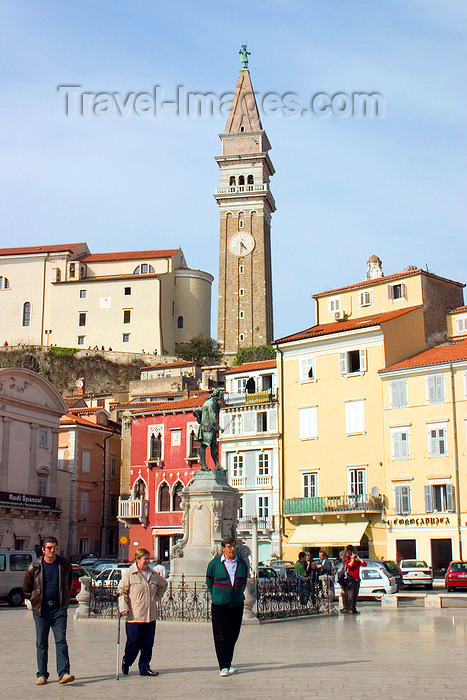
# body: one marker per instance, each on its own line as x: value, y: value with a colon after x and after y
x: 47, y: 585
x: 226, y: 579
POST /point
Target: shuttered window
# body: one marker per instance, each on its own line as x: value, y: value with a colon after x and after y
x: 354, y: 417
x: 435, y: 388
x: 402, y: 505
x: 308, y: 423
x: 399, y: 393
x: 400, y: 444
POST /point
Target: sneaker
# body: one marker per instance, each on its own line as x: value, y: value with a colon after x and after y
x: 41, y: 680
x: 232, y: 670
x: 224, y: 672
x: 66, y: 678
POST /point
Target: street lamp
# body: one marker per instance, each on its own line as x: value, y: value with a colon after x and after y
x: 48, y: 336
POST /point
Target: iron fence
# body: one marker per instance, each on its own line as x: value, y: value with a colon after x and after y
x: 277, y: 599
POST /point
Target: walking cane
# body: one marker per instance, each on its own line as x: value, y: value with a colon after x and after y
x: 118, y: 645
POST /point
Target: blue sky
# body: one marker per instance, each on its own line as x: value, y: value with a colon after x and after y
x: 345, y: 188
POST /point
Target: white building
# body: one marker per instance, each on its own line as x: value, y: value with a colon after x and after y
x: 250, y: 451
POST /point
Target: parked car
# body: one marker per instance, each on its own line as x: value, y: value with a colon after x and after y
x: 90, y: 563
x: 266, y: 574
x: 13, y: 565
x: 285, y: 572
x: 78, y: 571
x: 110, y: 577
x: 456, y: 575
x: 416, y: 572
x: 374, y: 581
x: 392, y: 569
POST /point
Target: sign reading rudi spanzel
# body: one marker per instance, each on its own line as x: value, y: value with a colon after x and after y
x: 397, y: 522
x: 26, y: 500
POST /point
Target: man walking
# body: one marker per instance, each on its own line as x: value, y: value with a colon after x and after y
x: 226, y: 579
x: 47, y: 585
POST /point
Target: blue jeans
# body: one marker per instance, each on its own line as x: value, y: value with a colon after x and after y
x: 139, y: 638
x: 55, y: 619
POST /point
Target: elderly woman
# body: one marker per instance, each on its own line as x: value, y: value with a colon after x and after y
x: 139, y: 591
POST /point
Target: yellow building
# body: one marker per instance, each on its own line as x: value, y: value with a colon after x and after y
x: 425, y: 444
x: 333, y: 451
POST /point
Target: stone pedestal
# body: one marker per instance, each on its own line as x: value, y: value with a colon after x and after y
x: 83, y: 598
x: 209, y: 508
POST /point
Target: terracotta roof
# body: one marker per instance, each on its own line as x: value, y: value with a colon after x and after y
x: 177, y: 363
x: 350, y: 325
x: 110, y: 278
x: 69, y: 418
x: 130, y: 255
x: 459, y: 308
x: 184, y: 404
x: 65, y: 247
x: 87, y: 409
x: 440, y: 354
x: 252, y: 366
x: 386, y: 278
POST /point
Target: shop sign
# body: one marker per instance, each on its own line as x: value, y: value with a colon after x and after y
x: 26, y: 500
x: 419, y: 522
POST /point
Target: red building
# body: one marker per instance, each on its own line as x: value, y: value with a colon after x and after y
x: 164, y: 457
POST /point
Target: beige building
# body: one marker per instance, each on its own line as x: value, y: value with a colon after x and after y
x: 134, y: 301
x: 333, y: 450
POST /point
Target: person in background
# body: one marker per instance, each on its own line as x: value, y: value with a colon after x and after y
x: 139, y: 590
x: 159, y: 569
x: 47, y: 586
x: 300, y: 565
x: 353, y: 564
x: 325, y: 565
x: 342, y: 581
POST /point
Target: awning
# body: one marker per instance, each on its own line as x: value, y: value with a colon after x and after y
x: 328, y: 534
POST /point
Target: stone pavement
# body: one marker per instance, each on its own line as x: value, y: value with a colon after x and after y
x: 413, y: 653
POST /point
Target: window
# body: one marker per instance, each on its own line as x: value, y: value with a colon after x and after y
x: 42, y: 482
x: 241, y: 314
x: 2, y: 562
x: 308, y: 423
x: 398, y: 389
x: 180, y: 322
x: 240, y: 223
x: 241, y: 179
x: 462, y: 324
x: 241, y: 292
x: 86, y: 461
x: 125, y: 338
x: 435, y: 388
x: 155, y: 445
x: 4, y: 283
x: 262, y: 422
x: 62, y: 457
x: 366, y: 297
x: 26, y: 313
x: 164, y: 497
x: 19, y: 562
x: 402, y: 501
x: 352, y: 362
x: 43, y: 437
x: 357, y: 482
x: 80, y: 340
x: 139, y: 489
x: 240, y: 508
x: 400, y: 443
x: 334, y: 305
x: 437, y: 440
x: 82, y: 319
x: 241, y: 336
x: 307, y: 368
x: 237, y: 465
x: 176, y: 438
x: 83, y: 545
x: 263, y: 507
x: 113, y: 506
x: 439, y: 498
x: 72, y: 269
x: 126, y: 315
x: 309, y: 484
x: 143, y: 269
x: 113, y: 466
x: 354, y: 417
x: 241, y: 269
x: 236, y: 426
x: 250, y: 180
x: 177, y: 496
x: 84, y: 501
x: 397, y: 291
x: 127, y: 291
x: 232, y: 181
x: 263, y: 464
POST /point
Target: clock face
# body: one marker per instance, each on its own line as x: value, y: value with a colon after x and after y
x: 242, y: 244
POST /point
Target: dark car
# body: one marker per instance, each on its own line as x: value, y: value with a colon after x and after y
x: 456, y: 575
x: 78, y: 571
x: 90, y: 563
x: 391, y: 568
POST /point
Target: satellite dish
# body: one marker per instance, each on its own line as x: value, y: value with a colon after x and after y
x: 79, y: 383
x: 375, y: 491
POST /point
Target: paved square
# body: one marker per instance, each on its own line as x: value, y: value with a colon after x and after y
x: 413, y: 653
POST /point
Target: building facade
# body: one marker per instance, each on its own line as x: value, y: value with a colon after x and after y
x: 245, y: 316
x: 135, y: 301
x: 250, y: 449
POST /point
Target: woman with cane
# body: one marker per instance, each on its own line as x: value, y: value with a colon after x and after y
x: 140, y: 590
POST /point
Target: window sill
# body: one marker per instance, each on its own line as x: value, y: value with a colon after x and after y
x: 360, y: 373
x: 352, y: 434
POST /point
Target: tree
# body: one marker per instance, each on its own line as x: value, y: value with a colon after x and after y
x: 254, y: 354
x: 203, y: 350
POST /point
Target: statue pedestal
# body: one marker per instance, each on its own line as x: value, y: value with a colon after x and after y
x: 209, y: 508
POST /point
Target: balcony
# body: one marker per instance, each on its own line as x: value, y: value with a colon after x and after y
x: 264, y: 480
x: 235, y: 189
x: 243, y: 398
x: 313, y: 505
x: 246, y: 524
x: 132, y: 509
x: 238, y: 482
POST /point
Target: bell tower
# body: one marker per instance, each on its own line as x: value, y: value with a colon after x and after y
x: 245, y: 207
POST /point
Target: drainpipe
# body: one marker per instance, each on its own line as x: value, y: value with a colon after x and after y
x: 43, y: 297
x: 104, y: 484
x: 281, y: 451
x: 456, y: 460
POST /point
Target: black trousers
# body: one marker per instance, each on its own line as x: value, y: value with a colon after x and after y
x: 139, y: 638
x: 353, y: 589
x: 226, y: 624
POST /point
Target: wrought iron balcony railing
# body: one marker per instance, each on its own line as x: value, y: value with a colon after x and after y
x: 333, y: 504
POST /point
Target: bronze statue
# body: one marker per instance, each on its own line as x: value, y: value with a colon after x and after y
x: 208, y: 419
x: 244, y: 56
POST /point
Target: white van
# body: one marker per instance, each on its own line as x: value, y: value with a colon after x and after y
x: 13, y: 565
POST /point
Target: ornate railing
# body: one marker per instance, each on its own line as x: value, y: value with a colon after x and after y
x: 303, y: 596
x: 130, y: 507
x: 245, y: 398
x: 330, y: 504
x: 246, y: 524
